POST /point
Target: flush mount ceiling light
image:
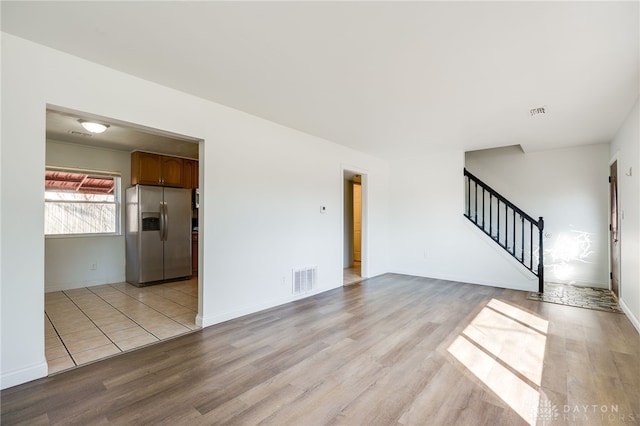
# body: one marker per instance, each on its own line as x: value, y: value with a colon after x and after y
x: 93, y: 127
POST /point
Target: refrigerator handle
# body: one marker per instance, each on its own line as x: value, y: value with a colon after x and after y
x: 166, y: 220
x: 163, y: 221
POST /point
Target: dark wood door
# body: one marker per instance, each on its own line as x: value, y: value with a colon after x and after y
x: 614, y: 229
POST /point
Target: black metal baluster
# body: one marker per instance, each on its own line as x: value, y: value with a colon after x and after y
x: 491, y: 215
x: 513, y: 248
x: 475, y: 218
x: 506, y: 226
x: 483, y: 210
x: 531, y: 246
x: 469, y: 196
x: 540, y: 256
x: 498, y: 220
x: 522, y: 242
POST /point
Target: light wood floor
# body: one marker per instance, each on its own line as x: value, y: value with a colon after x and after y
x: 391, y: 350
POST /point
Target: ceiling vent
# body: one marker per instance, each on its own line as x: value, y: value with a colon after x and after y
x: 537, y: 111
x: 76, y: 133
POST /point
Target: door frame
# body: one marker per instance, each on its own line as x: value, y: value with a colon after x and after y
x: 364, y: 236
x: 614, y: 160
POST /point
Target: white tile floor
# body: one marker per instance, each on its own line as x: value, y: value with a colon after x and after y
x: 91, y: 323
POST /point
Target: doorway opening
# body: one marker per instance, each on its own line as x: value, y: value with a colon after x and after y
x: 90, y: 311
x: 353, y: 228
x: 614, y: 229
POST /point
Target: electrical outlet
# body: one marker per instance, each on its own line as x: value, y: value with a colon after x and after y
x: 94, y: 266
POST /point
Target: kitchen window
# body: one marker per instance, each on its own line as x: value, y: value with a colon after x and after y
x: 80, y: 202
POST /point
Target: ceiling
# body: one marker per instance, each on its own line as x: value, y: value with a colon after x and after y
x: 65, y: 126
x: 388, y: 78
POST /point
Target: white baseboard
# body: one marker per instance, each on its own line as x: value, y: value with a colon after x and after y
x: 527, y: 284
x: 630, y: 315
x: 50, y: 287
x: 199, y: 320
x: 208, y: 320
x: 24, y: 375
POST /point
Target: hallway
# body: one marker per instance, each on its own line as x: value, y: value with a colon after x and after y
x: 353, y: 274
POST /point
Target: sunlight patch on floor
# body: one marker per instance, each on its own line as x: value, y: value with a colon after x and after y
x: 504, y: 347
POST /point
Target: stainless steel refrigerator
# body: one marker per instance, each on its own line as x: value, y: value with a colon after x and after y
x: 158, y: 234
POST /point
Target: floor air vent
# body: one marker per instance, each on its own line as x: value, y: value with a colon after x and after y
x: 304, y: 280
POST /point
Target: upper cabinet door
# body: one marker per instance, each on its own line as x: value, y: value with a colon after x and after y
x: 196, y: 174
x: 146, y: 169
x: 155, y: 169
x: 187, y: 174
x: 172, y: 171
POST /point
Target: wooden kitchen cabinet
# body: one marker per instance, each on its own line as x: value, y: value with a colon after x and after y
x: 196, y: 174
x: 155, y: 169
x: 172, y: 169
x: 190, y: 174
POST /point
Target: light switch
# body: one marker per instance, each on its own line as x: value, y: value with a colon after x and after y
x: 323, y: 209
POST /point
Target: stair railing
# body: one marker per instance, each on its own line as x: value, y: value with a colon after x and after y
x: 506, y: 224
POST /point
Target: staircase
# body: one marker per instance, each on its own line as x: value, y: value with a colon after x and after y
x: 508, y: 226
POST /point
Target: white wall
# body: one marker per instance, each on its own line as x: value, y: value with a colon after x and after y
x: 429, y: 234
x: 570, y: 189
x: 264, y: 188
x: 68, y: 260
x: 626, y: 148
x: 261, y: 190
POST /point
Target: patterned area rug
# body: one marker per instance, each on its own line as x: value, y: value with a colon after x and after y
x: 581, y: 297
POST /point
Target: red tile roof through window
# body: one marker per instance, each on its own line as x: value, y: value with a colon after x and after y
x: 78, y: 182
